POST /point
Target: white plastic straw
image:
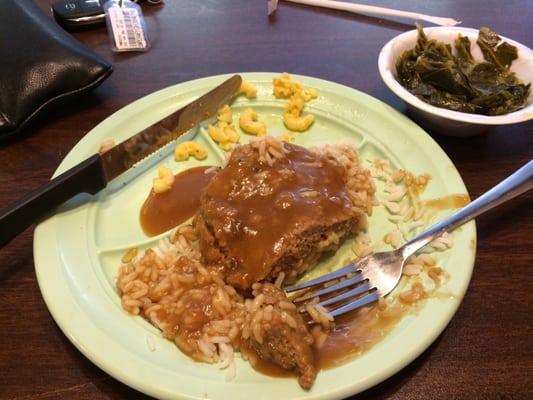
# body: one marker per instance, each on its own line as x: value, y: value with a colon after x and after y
x: 381, y: 11
x: 272, y: 5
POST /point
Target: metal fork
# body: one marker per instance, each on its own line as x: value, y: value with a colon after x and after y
x: 376, y: 275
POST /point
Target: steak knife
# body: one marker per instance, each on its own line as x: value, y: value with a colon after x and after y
x: 93, y: 174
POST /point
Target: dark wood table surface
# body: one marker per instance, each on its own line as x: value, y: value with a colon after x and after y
x: 486, y: 352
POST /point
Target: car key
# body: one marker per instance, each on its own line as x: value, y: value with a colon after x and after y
x: 73, y: 14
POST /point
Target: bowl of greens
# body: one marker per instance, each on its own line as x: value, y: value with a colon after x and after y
x: 459, y: 81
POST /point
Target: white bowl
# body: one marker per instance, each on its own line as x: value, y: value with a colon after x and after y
x: 441, y: 120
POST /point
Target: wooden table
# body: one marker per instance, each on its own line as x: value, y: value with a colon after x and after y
x: 487, y: 350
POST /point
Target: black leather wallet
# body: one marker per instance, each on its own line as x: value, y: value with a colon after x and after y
x: 40, y: 63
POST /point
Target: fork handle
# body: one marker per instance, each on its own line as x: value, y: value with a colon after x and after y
x: 519, y: 182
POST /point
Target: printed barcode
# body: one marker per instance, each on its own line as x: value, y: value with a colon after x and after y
x: 127, y: 28
x: 132, y: 28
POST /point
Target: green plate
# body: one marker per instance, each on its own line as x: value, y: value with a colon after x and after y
x: 77, y: 251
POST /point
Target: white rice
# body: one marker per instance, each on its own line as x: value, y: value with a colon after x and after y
x: 150, y: 343
x: 280, y: 279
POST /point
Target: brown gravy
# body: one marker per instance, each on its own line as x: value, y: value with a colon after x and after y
x: 250, y: 201
x: 447, y: 202
x: 264, y: 366
x: 356, y: 332
x: 163, y: 211
x: 271, y: 369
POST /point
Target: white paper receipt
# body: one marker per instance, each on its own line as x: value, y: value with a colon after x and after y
x: 126, y: 27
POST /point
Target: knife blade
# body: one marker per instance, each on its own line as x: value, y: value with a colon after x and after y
x: 93, y: 174
x: 124, y: 155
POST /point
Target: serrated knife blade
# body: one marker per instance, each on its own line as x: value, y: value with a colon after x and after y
x: 124, y: 155
x: 93, y: 174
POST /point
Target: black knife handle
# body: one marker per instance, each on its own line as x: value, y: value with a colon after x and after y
x: 86, y: 177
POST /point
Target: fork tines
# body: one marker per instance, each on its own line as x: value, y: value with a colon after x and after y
x: 329, y: 289
x: 340, y: 273
x: 352, y: 290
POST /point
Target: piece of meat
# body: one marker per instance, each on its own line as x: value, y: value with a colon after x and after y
x: 260, y: 216
x: 279, y: 335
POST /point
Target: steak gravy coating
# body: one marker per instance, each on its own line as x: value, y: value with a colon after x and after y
x: 256, y: 210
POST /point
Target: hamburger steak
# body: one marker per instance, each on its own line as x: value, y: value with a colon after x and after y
x: 277, y: 207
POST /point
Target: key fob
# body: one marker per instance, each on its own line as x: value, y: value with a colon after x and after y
x: 73, y: 14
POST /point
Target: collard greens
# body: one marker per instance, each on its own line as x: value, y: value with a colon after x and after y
x: 436, y: 74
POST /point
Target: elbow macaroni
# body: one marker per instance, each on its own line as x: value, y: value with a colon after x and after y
x: 309, y: 94
x: 248, y: 89
x: 286, y: 87
x: 249, y: 122
x: 224, y: 133
x: 189, y: 148
x: 163, y: 181
x: 225, y: 115
x: 296, y: 104
x: 298, y: 123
